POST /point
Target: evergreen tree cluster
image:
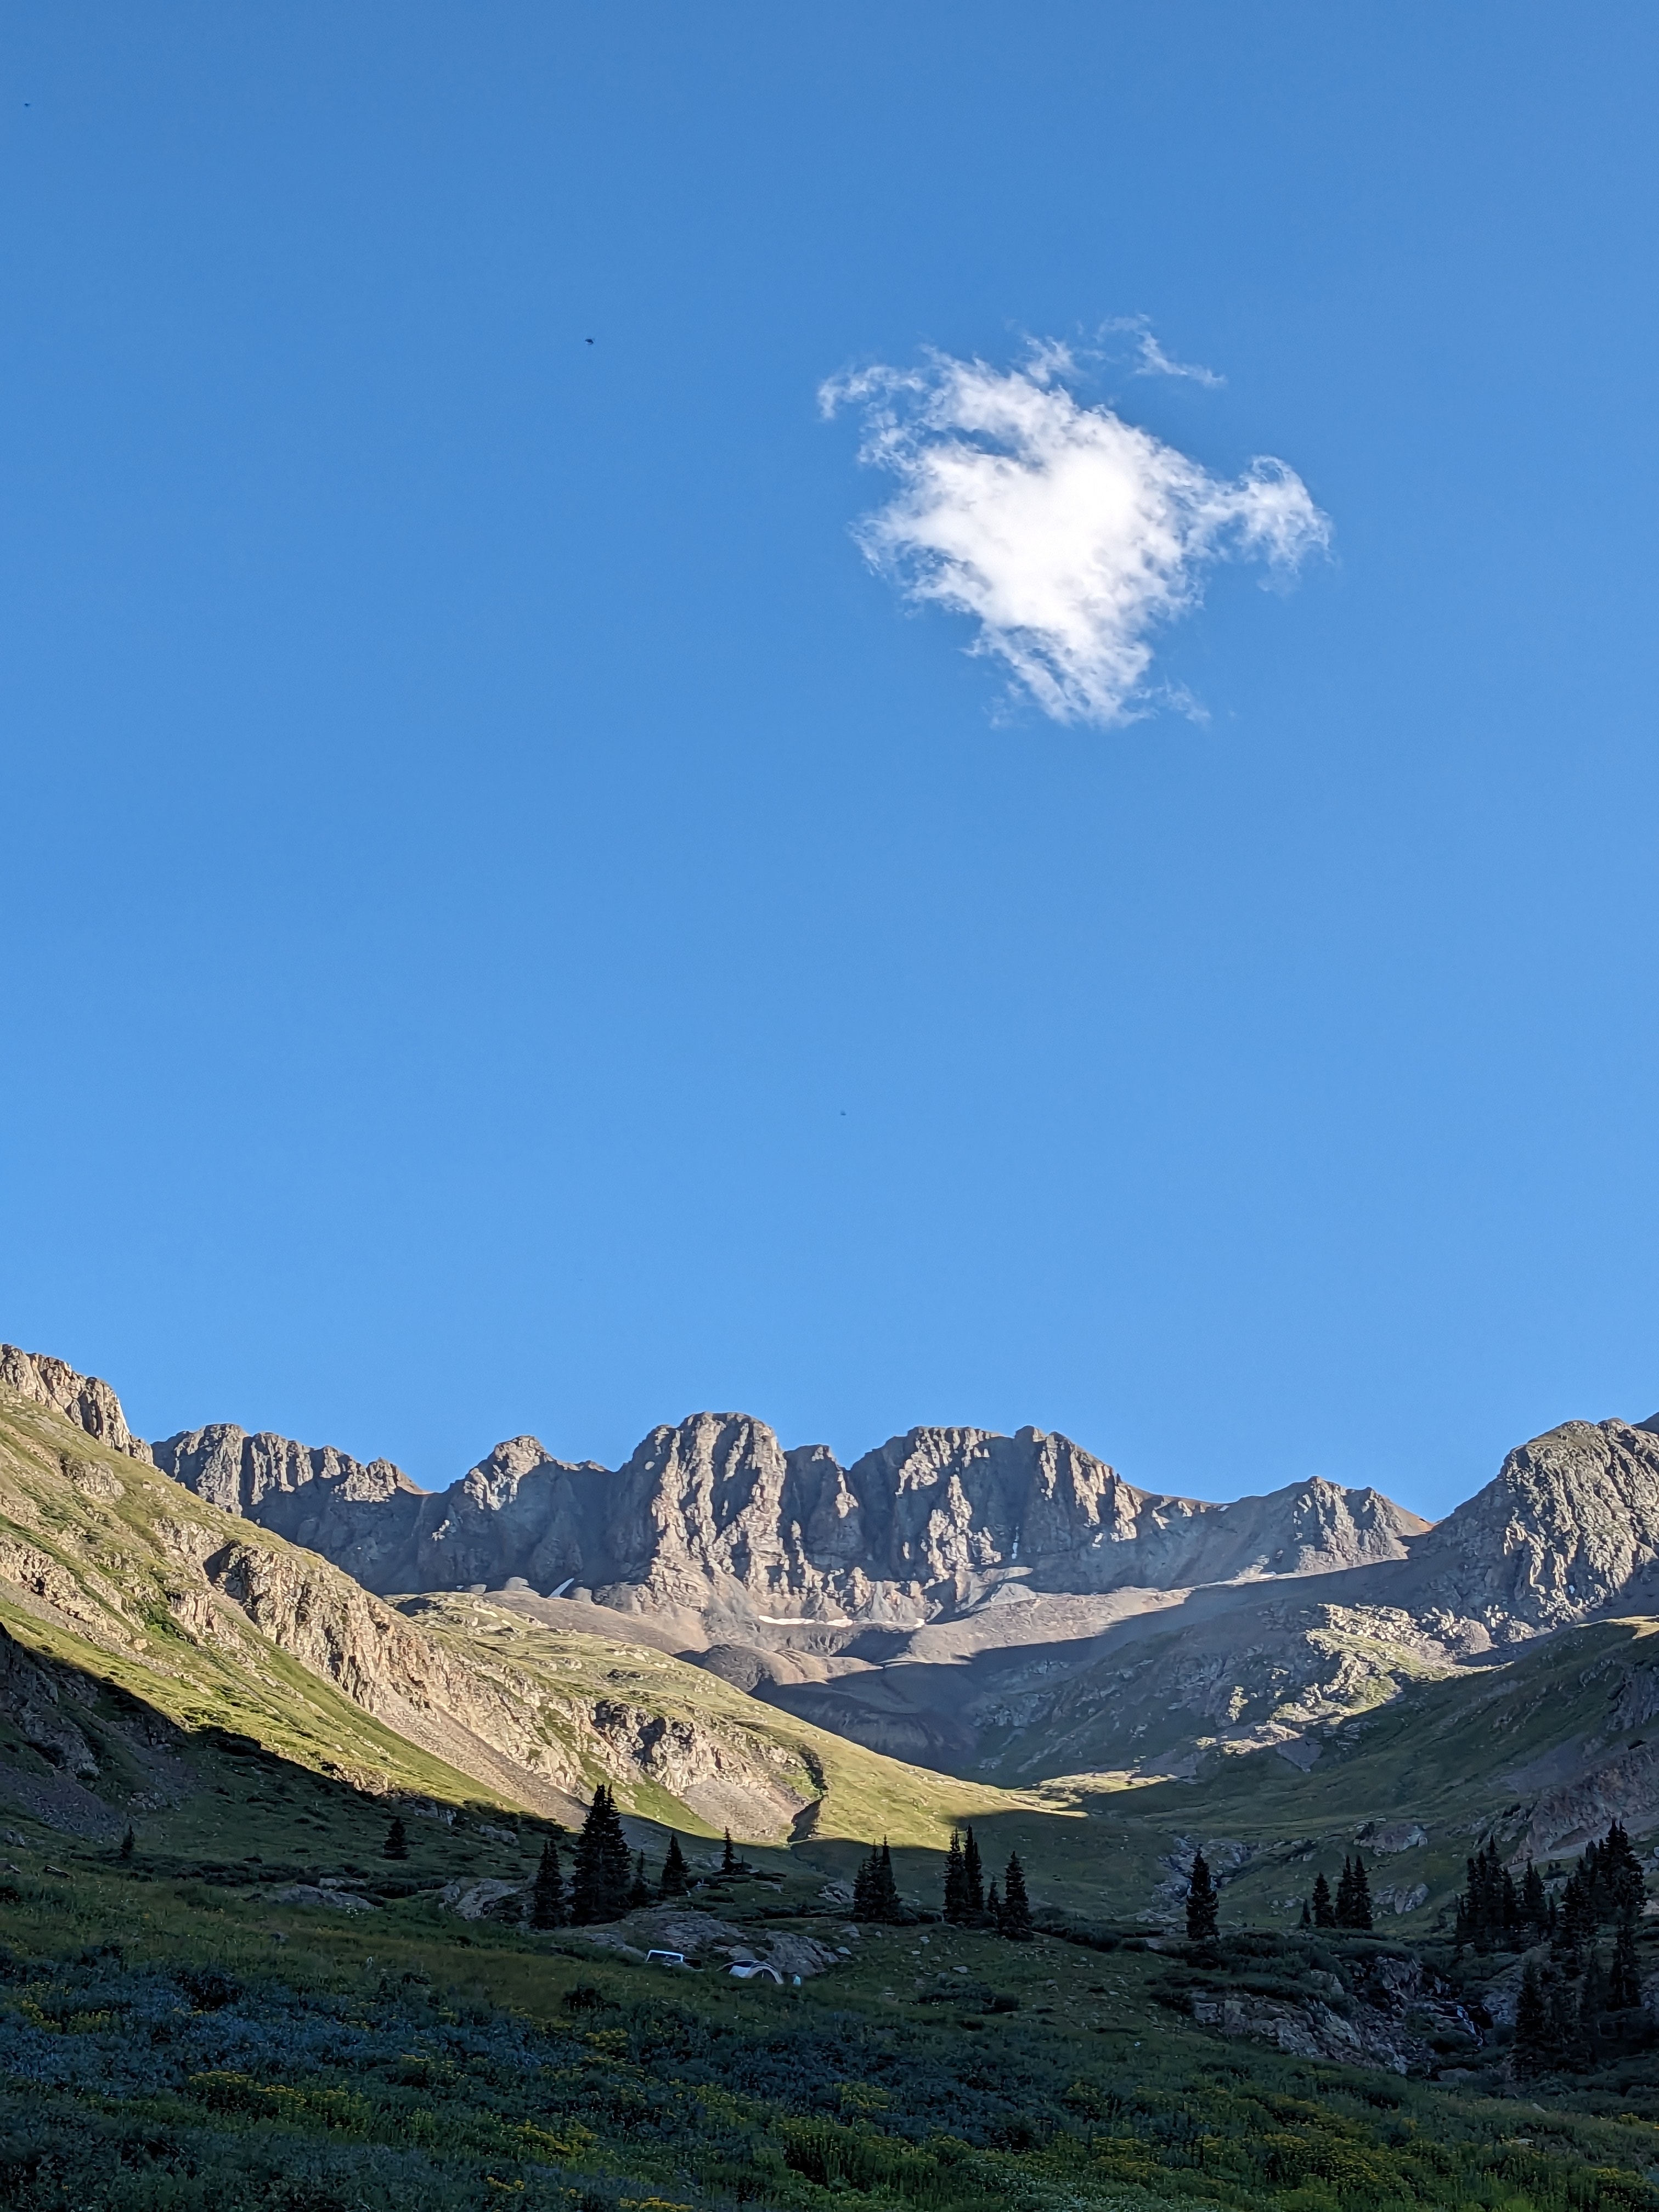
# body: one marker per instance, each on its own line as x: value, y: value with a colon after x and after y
x: 604, y: 1882
x: 1493, y: 1914
x: 875, y: 1893
x: 1605, y: 1886
x: 602, y: 1870
x: 1351, y: 1905
x: 1564, y: 2022
x: 969, y: 1905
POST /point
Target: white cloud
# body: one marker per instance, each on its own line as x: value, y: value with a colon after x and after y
x: 1066, y: 534
x: 1154, y: 361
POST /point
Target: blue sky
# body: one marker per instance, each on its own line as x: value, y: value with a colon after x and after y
x: 511, y: 924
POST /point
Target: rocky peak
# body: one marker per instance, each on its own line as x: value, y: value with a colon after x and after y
x: 239, y: 1473
x: 90, y: 1404
x: 1569, y: 1527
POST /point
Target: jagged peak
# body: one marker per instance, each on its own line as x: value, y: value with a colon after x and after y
x: 86, y: 1399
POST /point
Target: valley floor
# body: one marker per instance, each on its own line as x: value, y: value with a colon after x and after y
x: 174, y: 2034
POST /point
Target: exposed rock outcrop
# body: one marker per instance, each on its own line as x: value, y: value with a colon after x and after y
x: 1569, y: 1527
x: 715, y: 1516
x: 82, y: 1399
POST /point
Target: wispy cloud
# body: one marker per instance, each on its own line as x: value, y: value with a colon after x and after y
x: 1154, y: 361
x: 1066, y: 534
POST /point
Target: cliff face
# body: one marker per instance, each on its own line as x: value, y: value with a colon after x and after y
x: 209, y: 1618
x: 82, y: 1399
x: 1569, y: 1528
x: 715, y: 1513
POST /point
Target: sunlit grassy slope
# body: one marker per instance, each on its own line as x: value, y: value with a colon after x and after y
x: 102, y: 1570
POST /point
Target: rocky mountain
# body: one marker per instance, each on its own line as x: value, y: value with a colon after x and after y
x: 715, y: 1516
x: 119, y: 1588
x: 985, y: 1604
x: 82, y: 1399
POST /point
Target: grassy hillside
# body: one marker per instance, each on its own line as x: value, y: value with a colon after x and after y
x: 166, y: 2044
x: 111, y: 1570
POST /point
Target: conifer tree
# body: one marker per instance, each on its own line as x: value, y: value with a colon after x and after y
x: 875, y: 1892
x: 1015, y: 1921
x: 639, y: 1892
x: 1624, y: 1979
x: 956, y: 1883
x: 1324, y: 1913
x: 129, y: 1844
x: 1345, y: 1895
x: 396, y: 1845
x: 994, y: 1908
x: 1203, y: 1907
x: 1532, y: 2022
x: 673, y: 1883
x: 972, y: 1875
x: 1620, y: 1873
x: 1359, y: 1897
x: 886, y: 1892
x: 728, y: 1856
x: 547, y: 1906
x: 603, y: 1871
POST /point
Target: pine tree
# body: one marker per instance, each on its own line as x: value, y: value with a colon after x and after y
x: 974, y: 1876
x: 1359, y: 1897
x: 128, y: 1844
x: 956, y: 1883
x: 1203, y: 1907
x: 1620, y: 1873
x: 603, y: 1872
x: 728, y: 1856
x: 639, y: 1892
x: 875, y: 1892
x: 396, y: 1845
x: 1531, y: 2046
x: 1345, y: 1895
x: 674, y: 1882
x: 1324, y: 1914
x: 1015, y: 1920
x: 887, y: 1897
x: 864, y: 1887
x: 1624, y: 1979
x: 994, y: 1908
x: 547, y: 1906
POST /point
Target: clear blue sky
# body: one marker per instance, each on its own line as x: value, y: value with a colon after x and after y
x: 510, y: 924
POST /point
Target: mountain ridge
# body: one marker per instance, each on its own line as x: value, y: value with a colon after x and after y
x: 980, y: 1604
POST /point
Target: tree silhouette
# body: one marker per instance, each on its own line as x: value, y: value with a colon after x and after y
x: 1354, y: 1895
x: 1324, y: 1913
x: 547, y: 1905
x: 729, y: 1861
x: 129, y: 1843
x: 875, y: 1893
x: 1015, y: 1919
x: 396, y: 1845
x: 639, y: 1892
x: 673, y: 1883
x: 956, y: 1883
x: 1203, y: 1906
x: 603, y: 1871
x: 973, y: 1876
